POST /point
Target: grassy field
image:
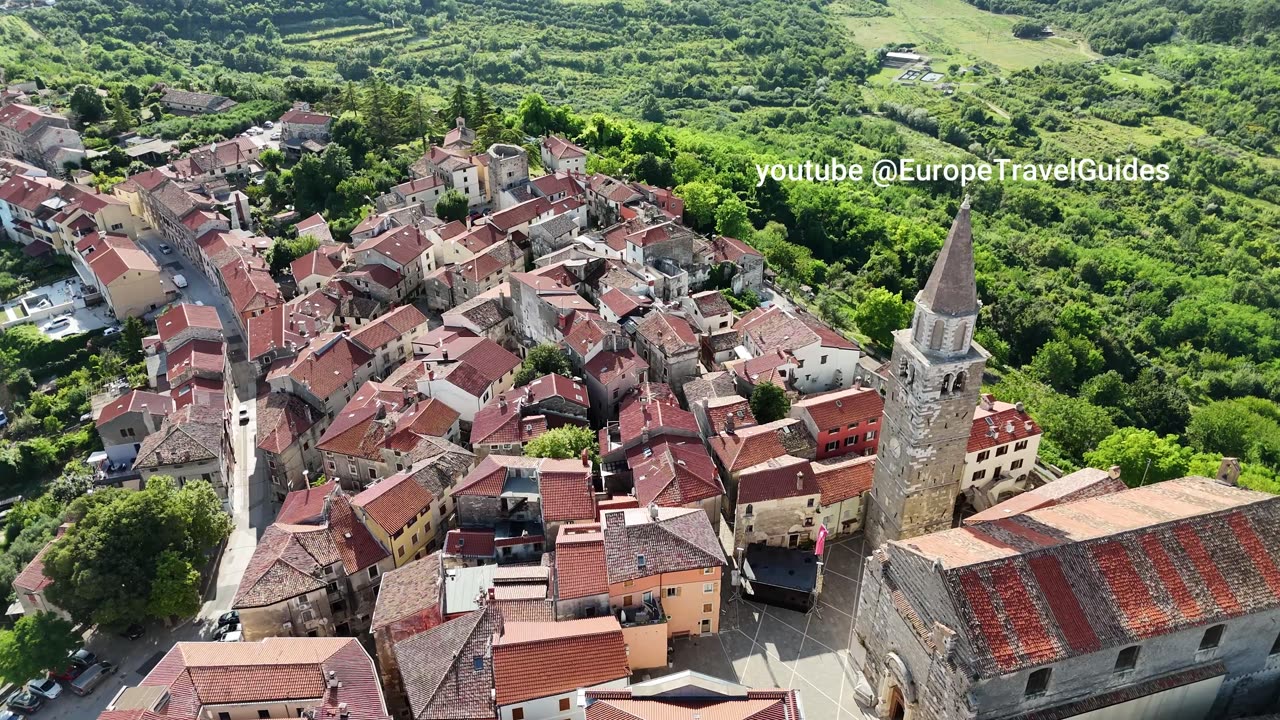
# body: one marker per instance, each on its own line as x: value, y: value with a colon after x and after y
x: 954, y: 31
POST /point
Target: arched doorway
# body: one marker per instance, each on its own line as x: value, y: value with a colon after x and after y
x: 897, y: 708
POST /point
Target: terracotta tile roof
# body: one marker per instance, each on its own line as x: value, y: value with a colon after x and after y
x: 197, y: 356
x: 580, y: 562
x: 637, y: 545
x: 328, y: 363
x: 1004, y: 424
x: 670, y: 333
x: 402, y: 245
x: 277, y: 669
x: 656, y: 414
x: 436, y: 464
x: 469, y: 543
x: 621, y: 303
x: 500, y: 422
x: 1102, y: 572
x: 184, y: 316
x: 448, y: 670
x: 141, y: 401
x: 404, y: 320
x: 315, y: 263
x: 843, y: 480
x: 32, y: 578
x: 411, y: 589
x: 776, y: 479
x: 488, y: 358
x: 378, y: 275
x: 394, y: 503
x: 534, y: 660
x: 383, y: 416
x: 190, y: 434
x: 750, y: 445
x: 280, y: 327
x: 729, y: 249
x: 516, y: 215
x: 199, y: 390
x: 288, y: 558
x: 560, y: 149
x: 710, y: 385
x: 249, y: 285
x: 302, y: 117
x: 675, y: 475
x: 839, y: 409
x: 711, y: 303
x: 1079, y: 485
x: 775, y: 329
x: 22, y: 118
x: 720, y: 409
x: 565, y: 491
x: 305, y: 506
x: 769, y: 367
x: 553, y: 386
x: 112, y: 261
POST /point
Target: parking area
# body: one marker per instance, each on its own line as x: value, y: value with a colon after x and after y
x: 58, y: 309
x: 767, y: 647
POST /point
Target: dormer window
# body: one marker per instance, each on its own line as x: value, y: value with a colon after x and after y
x: 640, y: 561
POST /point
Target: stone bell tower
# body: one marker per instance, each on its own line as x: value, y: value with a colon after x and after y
x: 930, y: 400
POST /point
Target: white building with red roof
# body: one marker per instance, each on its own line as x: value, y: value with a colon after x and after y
x: 467, y: 373
x: 560, y: 155
x: 390, y: 338
x: 327, y: 678
x: 1001, y: 454
x: 39, y: 137
x: 824, y: 359
x: 326, y: 373
x: 313, y: 270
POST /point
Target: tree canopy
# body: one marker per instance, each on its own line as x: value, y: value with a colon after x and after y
x: 769, y: 402
x: 543, y: 359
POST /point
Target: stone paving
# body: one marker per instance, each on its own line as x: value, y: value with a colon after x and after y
x: 765, y: 647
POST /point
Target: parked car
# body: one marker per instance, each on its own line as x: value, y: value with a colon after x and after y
x: 23, y: 701
x: 4, y: 419
x: 91, y: 678
x: 59, y: 324
x: 233, y: 636
x: 133, y: 632
x: 111, y: 331
x: 8, y: 715
x: 165, y: 249
x: 224, y: 630
x: 48, y: 688
x: 231, y: 617
x: 244, y: 414
x: 180, y: 280
x: 268, y: 124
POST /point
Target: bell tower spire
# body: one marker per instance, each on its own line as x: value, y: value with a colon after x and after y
x: 930, y: 402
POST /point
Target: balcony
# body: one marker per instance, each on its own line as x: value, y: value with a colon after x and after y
x: 113, y: 465
x: 647, y: 613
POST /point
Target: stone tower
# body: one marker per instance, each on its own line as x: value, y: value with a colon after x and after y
x: 930, y: 400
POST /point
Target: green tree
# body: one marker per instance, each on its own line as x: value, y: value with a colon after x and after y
x: 1073, y: 426
x: 458, y: 104
x: 564, y: 442
x: 86, y: 104
x: 732, y: 218
x: 481, y: 106
x: 175, y: 592
x: 1245, y: 428
x: 37, y: 643
x: 271, y: 159
x: 769, y: 402
x: 701, y: 199
x: 544, y: 359
x: 97, y: 583
x: 452, y: 206
x: 880, y: 313
x: 284, y: 251
x: 121, y: 118
x: 131, y: 336
x: 1055, y: 365
x: 1143, y: 456
x: 534, y: 115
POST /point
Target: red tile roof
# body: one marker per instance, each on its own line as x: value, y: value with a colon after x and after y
x: 552, y: 386
x: 402, y: 245
x: 1004, y: 425
x: 655, y: 414
x: 328, y: 363
x: 776, y: 479
x: 382, y: 416
x: 404, y: 320
x: 559, y: 148
x: 749, y: 446
x: 675, y: 475
x: 439, y: 667
x: 623, y: 304
x: 315, y: 263
x: 670, y: 333
x: 843, y: 480
x: 534, y: 660
x: 564, y: 488
x: 839, y: 409
x: 720, y: 409
x: 1102, y: 572
x: 32, y: 578
x: 580, y: 565
x: 277, y: 669
x: 305, y: 506
x: 501, y: 423
x: 135, y: 401
x: 729, y: 249
x: 469, y: 543
x: 302, y: 117
x: 394, y: 503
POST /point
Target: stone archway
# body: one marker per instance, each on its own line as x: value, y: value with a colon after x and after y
x: 897, y: 706
x: 897, y: 690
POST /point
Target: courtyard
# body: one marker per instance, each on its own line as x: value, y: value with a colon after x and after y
x: 768, y: 647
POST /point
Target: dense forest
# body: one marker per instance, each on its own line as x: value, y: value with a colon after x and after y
x: 1140, y: 322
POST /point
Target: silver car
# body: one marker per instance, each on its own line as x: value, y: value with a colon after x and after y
x: 47, y: 688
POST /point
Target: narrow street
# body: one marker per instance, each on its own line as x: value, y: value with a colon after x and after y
x: 250, y: 508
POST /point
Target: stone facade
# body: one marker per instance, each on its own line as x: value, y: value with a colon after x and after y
x: 931, y: 400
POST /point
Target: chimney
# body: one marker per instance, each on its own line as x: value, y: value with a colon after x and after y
x: 444, y: 354
x: 1229, y: 471
x: 857, y: 383
x: 502, y: 403
x: 1114, y: 472
x: 988, y: 402
x: 653, y: 511
x: 728, y: 424
x: 1019, y: 406
x: 461, y: 122
x: 799, y: 480
x: 586, y: 458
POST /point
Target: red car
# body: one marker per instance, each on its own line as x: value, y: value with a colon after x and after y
x: 76, y: 664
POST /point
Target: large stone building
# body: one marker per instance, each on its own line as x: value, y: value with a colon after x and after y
x: 1161, y: 601
x: 931, y: 400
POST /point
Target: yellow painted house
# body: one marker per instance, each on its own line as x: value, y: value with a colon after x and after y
x: 398, y: 513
